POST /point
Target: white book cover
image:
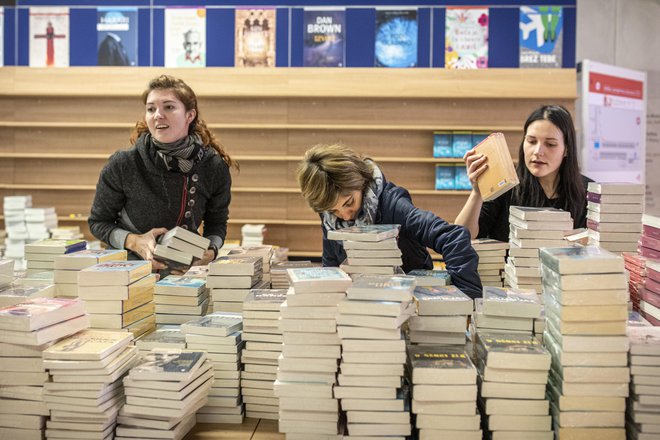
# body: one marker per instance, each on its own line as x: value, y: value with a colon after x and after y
x: 49, y: 37
x: 185, y: 37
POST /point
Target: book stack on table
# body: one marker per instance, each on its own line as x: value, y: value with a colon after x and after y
x: 492, y: 259
x: 230, y: 279
x: 178, y: 248
x: 643, y: 421
x: 41, y: 255
x: 441, y: 317
x: 179, y: 299
x: 370, y: 249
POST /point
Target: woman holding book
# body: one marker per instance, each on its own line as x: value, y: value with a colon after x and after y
x: 347, y: 189
x: 548, y: 172
x: 175, y: 174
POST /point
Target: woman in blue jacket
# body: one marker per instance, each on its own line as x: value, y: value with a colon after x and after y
x: 347, y: 189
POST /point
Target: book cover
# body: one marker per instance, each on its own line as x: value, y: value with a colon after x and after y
x: 49, y: 37
x: 215, y: 324
x: 231, y: 265
x: 168, y: 365
x: 117, y: 37
x: 539, y: 214
x: 114, y: 273
x: 324, y: 38
x: 162, y: 335
x: 466, y: 38
x: 442, y: 300
x: 439, y: 357
x: 255, y: 37
x: 19, y: 294
x: 88, y: 345
x: 500, y: 176
x: 541, y: 36
x: 181, y: 281
x: 461, y: 143
x: 445, y: 177
x: 428, y: 277
x: 185, y: 37
x: 319, y: 279
x: 581, y: 259
x: 88, y: 257
x: 37, y: 313
x: 365, y: 233
x: 53, y: 246
x: 461, y: 179
x: 442, y: 144
x: 396, y: 38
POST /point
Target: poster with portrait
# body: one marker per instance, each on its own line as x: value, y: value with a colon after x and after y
x: 117, y: 36
x: 49, y: 37
x: 396, y: 38
x: 185, y: 37
x: 255, y: 37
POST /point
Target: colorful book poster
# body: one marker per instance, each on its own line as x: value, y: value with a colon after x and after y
x: 540, y: 36
x: 324, y: 39
x: 185, y: 37
x: 49, y: 37
x: 2, y: 35
x: 117, y: 37
x: 396, y: 38
x: 466, y: 38
x: 255, y: 37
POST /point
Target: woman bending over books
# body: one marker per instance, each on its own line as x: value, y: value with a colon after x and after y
x: 548, y: 172
x: 175, y: 174
x: 349, y: 190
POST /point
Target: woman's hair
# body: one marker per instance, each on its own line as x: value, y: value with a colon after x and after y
x: 329, y: 171
x: 570, y: 187
x: 185, y: 94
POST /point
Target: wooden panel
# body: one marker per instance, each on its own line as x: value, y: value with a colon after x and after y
x: 295, y: 237
x: 253, y: 142
x: 63, y: 140
x: 410, y: 175
x: 258, y: 205
x: 58, y: 172
x: 262, y: 173
x: 445, y: 207
x: 81, y: 109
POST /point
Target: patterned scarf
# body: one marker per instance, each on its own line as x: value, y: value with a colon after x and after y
x: 180, y: 155
x: 368, y: 212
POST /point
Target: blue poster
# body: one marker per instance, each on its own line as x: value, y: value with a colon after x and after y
x: 116, y: 29
x: 541, y: 36
x: 396, y: 38
x: 324, y: 40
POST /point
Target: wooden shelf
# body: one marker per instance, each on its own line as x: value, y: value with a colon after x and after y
x: 231, y: 221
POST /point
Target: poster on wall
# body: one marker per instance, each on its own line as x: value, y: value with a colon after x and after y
x: 652, y: 205
x: 185, y: 37
x: 117, y: 37
x: 396, y: 38
x: 540, y: 36
x: 255, y: 37
x: 466, y: 38
x: 2, y: 36
x: 612, y: 121
x: 49, y: 37
x: 324, y: 40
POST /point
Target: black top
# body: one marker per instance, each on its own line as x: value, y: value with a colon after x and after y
x: 494, y: 215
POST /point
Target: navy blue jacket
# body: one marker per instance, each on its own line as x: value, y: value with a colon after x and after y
x: 420, y: 230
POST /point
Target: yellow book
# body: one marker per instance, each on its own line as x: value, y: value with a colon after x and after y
x: 500, y: 176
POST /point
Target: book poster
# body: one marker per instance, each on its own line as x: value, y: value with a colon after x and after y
x: 540, y: 36
x: 396, y: 38
x: 117, y: 36
x: 324, y: 38
x: 185, y: 37
x: 2, y: 36
x: 466, y: 38
x: 255, y: 37
x: 49, y: 37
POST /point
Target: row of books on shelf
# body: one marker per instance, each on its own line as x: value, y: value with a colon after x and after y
x: 454, y: 144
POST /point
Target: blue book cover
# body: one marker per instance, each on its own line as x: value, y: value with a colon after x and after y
x: 396, y: 38
x: 477, y: 137
x: 444, y: 177
x: 461, y: 143
x: 117, y: 37
x: 324, y: 40
x: 442, y: 144
x: 461, y: 180
x: 541, y: 36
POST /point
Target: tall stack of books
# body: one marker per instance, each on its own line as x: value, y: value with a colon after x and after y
x: 614, y: 215
x: 307, y: 368
x: 492, y: 259
x: 26, y: 329
x: 179, y: 299
x: 649, y: 241
x: 263, y: 251
x: 230, y: 279
x: 263, y: 346
x: 40, y: 255
x: 507, y: 310
x: 430, y: 278
x: 372, y: 343
x: 252, y: 235
x: 68, y: 265
x: 219, y: 335
x: 444, y: 393
x: 119, y: 295
x: 644, y: 401
x: 531, y: 229
x: 442, y: 314
x: 163, y: 394
x: 369, y: 249
x: 17, y: 294
x: 17, y: 234
x: 66, y: 233
x: 635, y: 265
x: 585, y: 292
x: 6, y: 273
x: 178, y: 247
x: 278, y: 274
x: 649, y: 302
x: 165, y: 337
x: 39, y: 222
x: 86, y: 391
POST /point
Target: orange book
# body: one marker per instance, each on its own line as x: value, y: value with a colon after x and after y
x: 500, y: 176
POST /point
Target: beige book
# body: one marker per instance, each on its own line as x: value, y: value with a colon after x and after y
x: 522, y: 423
x: 513, y: 407
x: 500, y: 176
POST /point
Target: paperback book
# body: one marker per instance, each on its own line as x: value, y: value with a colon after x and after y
x: 117, y: 37
x: 500, y: 176
x: 466, y: 38
x: 396, y: 38
x: 365, y: 233
x: 324, y: 38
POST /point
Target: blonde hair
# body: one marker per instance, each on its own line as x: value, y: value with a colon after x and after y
x: 329, y: 171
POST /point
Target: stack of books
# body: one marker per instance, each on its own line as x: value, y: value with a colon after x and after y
x: 17, y: 234
x: 507, y: 310
x: 165, y: 337
x: 263, y: 251
x: 3, y: 237
x: 585, y: 293
x: 649, y: 296
x: 252, y: 235
x: 492, y: 259
x: 86, y: 391
x: 40, y: 255
x: 26, y: 329
x: 442, y: 316
x: 444, y: 393
x: 39, y: 222
x: 68, y: 265
x: 513, y: 373
x: 370, y: 249
x: 371, y: 383
x: 430, y: 278
x: 230, y: 279
x: 17, y: 294
x: 644, y: 401
x: 635, y: 265
x: 219, y: 335
x: 163, y: 394
x: 66, y: 233
x: 649, y: 241
x: 119, y: 295
x: 307, y: 368
x: 179, y: 299
x: 263, y: 346
x: 6, y: 273
x: 178, y: 247
x: 278, y: 274
x: 614, y: 215
x: 531, y: 229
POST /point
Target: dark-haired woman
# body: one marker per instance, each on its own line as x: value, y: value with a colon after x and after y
x: 548, y: 171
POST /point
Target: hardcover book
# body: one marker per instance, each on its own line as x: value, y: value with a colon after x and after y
x: 88, y: 345
x: 540, y: 36
x: 117, y: 37
x: 168, y: 365
x: 255, y: 37
x: 114, y: 273
x: 396, y: 38
x: 365, y: 233
x: 500, y: 176
x: 324, y: 38
x: 466, y: 38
